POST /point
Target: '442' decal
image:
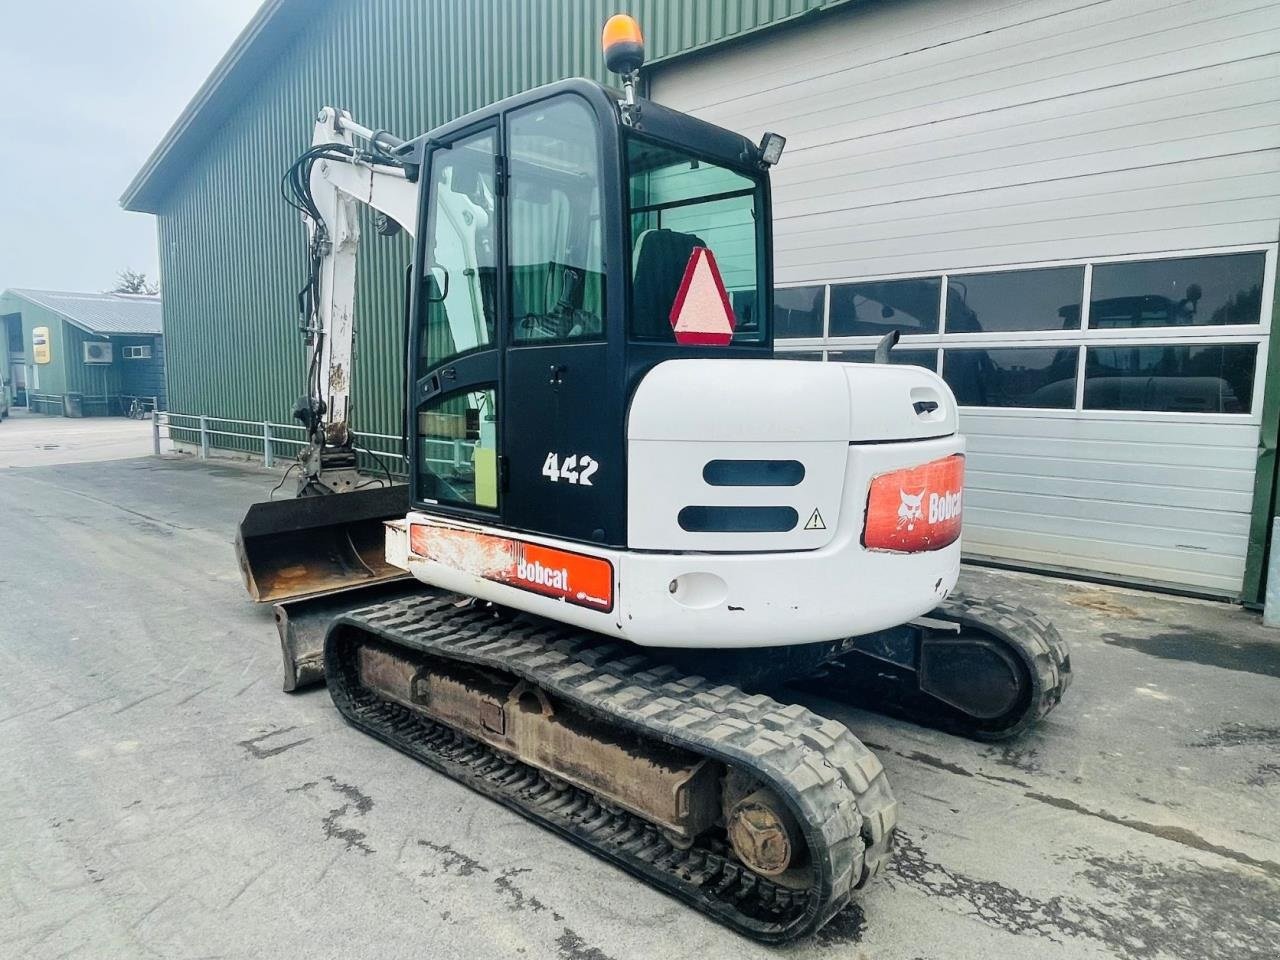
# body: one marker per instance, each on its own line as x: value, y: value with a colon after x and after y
x: 576, y: 468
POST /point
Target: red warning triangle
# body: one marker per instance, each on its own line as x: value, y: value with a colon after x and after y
x: 701, y: 313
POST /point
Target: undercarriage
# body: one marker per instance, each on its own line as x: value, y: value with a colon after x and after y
x: 764, y: 815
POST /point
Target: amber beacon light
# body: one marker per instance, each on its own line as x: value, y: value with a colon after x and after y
x: 623, y: 44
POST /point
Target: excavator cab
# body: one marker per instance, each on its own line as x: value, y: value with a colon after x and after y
x: 558, y: 228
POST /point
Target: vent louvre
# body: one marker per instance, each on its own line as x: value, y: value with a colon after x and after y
x: 705, y: 519
x: 753, y: 473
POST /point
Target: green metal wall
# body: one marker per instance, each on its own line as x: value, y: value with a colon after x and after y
x: 53, y: 375
x: 231, y: 252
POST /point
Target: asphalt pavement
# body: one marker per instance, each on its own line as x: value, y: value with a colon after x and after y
x: 161, y: 797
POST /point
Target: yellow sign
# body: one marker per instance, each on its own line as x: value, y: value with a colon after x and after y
x: 40, y: 344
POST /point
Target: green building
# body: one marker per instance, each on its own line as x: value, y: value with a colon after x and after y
x: 1072, y: 216
x: 83, y: 354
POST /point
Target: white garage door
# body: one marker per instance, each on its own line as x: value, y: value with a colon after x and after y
x: 1068, y: 208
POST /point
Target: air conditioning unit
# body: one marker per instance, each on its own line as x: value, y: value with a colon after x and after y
x: 97, y: 351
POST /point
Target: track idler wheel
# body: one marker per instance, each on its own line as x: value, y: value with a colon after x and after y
x: 764, y: 834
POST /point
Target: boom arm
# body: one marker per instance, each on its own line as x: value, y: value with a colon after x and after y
x: 350, y: 165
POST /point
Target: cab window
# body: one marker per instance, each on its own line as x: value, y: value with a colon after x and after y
x: 555, y: 250
x: 679, y: 202
x: 460, y: 251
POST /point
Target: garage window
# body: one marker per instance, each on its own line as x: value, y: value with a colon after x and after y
x: 1015, y: 300
x: 798, y: 311
x: 1043, y: 377
x: 1210, y: 378
x: 873, y: 309
x: 1217, y: 290
x: 800, y: 355
x: 1160, y: 334
x: 915, y: 358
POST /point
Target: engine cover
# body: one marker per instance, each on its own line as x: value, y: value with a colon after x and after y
x: 769, y: 504
x: 732, y: 455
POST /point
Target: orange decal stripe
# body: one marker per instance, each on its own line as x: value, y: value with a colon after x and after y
x: 576, y: 578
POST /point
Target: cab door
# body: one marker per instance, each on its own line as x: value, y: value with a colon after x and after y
x: 456, y: 392
x: 563, y: 443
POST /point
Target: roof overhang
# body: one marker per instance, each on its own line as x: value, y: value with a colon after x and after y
x: 271, y: 30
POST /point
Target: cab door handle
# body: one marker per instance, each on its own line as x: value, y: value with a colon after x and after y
x: 434, y: 384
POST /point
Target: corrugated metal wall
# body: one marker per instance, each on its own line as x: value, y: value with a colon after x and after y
x: 141, y: 377
x: 231, y: 252
x: 53, y: 378
x: 96, y: 380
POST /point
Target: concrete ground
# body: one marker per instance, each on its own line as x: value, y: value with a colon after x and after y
x: 33, y: 439
x: 161, y: 797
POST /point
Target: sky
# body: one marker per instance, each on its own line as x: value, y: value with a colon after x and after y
x: 87, y: 90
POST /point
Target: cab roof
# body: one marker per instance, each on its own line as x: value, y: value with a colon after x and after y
x: 653, y: 120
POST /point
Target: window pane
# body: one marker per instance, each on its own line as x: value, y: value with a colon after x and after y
x: 798, y: 355
x: 862, y: 309
x: 1015, y: 300
x: 678, y: 203
x: 553, y: 211
x: 458, y: 449
x: 1215, y: 378
x: 1013, y: 376
x: 460, y: 248
x: 1190, y: 291
x: 915, y: 358
x: 797, y: 311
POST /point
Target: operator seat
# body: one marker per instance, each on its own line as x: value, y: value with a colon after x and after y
x: 660, y: 261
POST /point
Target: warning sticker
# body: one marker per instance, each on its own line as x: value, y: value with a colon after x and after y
x: 701, y: 312
x: 815, y: 521
x: 577, y: 578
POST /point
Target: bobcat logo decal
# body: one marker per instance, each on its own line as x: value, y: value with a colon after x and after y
x: 909, y: 511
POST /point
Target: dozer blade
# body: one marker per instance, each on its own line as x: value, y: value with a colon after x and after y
x: 303, y: 623
x: 289, y: 549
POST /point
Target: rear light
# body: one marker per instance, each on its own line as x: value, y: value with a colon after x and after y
x: 916, y: 509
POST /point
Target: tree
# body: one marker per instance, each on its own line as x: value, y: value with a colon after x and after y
x: 130, y: 281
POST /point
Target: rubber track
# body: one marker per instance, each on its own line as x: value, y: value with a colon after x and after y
x: 834, y: 785
x: 1034, y: 640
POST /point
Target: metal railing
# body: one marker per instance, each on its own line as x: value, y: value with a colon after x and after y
x: 261, y: 437
x: 44, y: 401
x: 109, y: 403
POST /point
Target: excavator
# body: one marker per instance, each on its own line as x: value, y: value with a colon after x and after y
x: 627, y: 524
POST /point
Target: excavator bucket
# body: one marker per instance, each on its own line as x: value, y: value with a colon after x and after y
x: 314, y: 557
x: 306, y: 546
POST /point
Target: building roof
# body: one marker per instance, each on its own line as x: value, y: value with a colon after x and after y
x: 100, y: 313
x: 278, y: 22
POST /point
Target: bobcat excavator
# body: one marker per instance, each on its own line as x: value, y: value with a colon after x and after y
x: 626, y: 520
